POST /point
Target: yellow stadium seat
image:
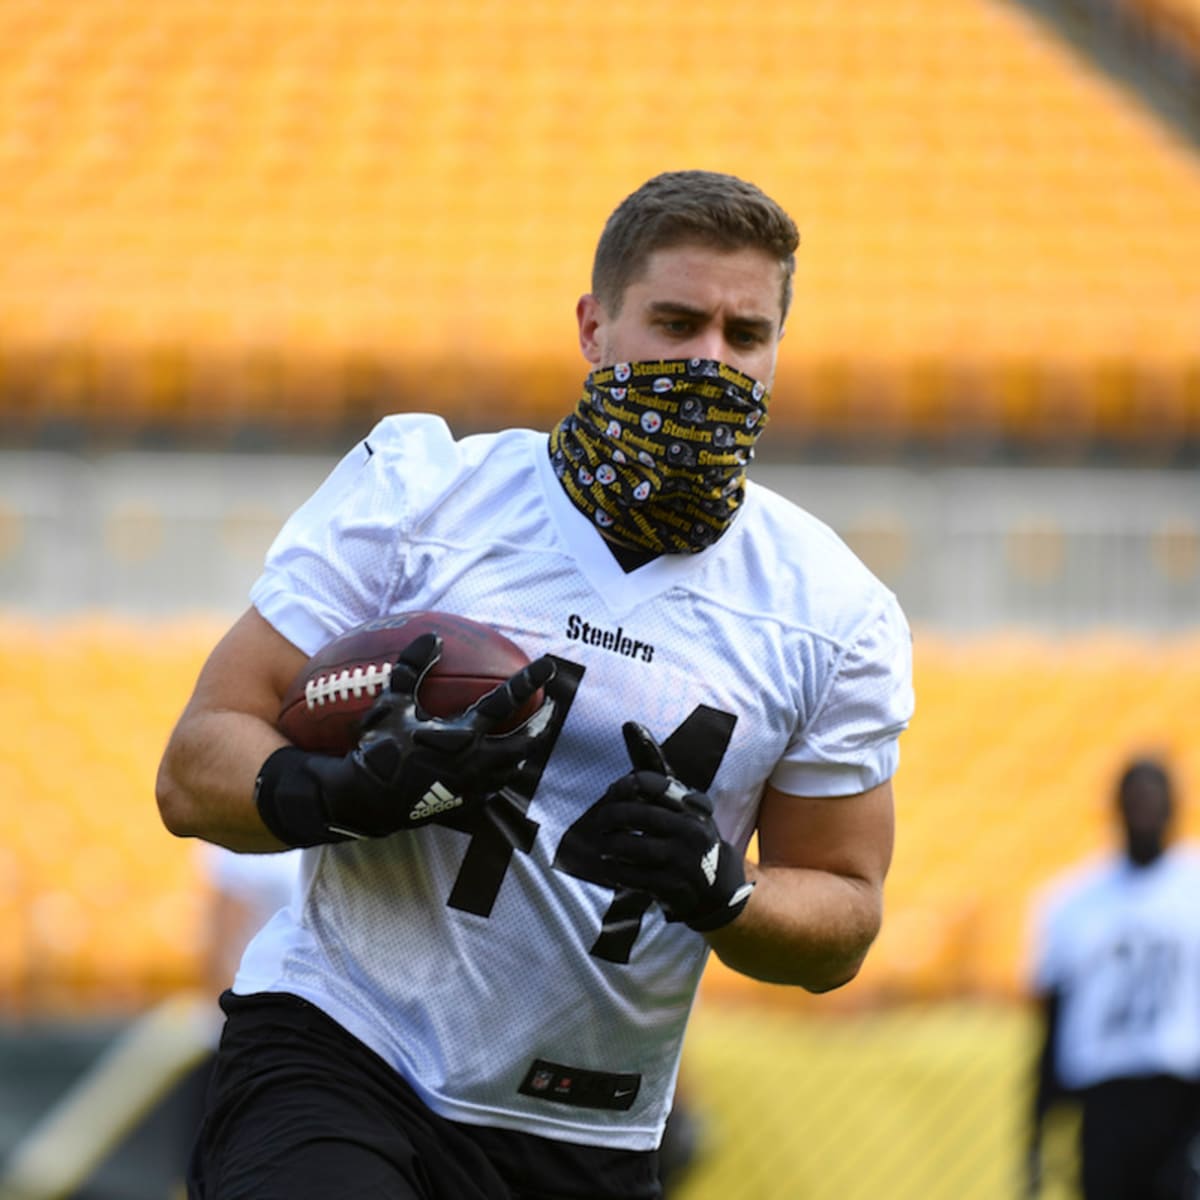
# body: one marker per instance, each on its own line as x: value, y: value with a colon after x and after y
x: 416, y: 183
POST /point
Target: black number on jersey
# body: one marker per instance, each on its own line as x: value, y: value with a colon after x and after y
x: 1146, y: 985
x: 694, y: 751
x: 501, y: 825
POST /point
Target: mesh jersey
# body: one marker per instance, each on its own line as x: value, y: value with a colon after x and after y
x: 461, y: 955
x: 1122, y: 946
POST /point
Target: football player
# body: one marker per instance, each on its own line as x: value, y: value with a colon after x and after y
x: 1117, y: 976
x: 491, y: 1002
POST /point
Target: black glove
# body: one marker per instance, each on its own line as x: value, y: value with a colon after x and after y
x: 408, y: 766
x: 651, y: 833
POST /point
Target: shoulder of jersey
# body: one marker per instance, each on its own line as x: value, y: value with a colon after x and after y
x: 800, y: 532
x: 795, y: 545
x: 425, y: 438
x: 406, y: 435
x: 1076, y: 884
x: 1187, y: 858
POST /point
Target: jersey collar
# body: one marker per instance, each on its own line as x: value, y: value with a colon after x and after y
x: 619, y: 590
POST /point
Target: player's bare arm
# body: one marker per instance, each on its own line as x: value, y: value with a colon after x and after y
x: 805, y: 914
x: 206, y: 779
x: 818, y: 900
x: 230, y: 776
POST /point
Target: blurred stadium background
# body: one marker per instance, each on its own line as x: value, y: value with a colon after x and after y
x: 231, y: 236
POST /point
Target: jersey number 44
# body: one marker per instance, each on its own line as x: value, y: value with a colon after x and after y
x: 501, y: 826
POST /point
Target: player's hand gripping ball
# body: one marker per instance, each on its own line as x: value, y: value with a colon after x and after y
x: 324, y: 707
x: 651, y: 833
x: 408, y: 765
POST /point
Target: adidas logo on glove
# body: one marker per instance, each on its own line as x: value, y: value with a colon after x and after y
x: 438, y: 799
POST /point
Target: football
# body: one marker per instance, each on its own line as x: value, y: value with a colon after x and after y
x: 322, y: 708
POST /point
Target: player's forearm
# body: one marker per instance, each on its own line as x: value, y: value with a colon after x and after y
x: 810, y: 929
x: 206, y: 780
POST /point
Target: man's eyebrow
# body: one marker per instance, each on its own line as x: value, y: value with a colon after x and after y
x: 676, y: 308
x: 763, y: 325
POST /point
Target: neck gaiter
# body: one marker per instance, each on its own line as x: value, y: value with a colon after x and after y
x: 655, y: 453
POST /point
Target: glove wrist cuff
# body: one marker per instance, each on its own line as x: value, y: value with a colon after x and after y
x: 731, y: 908
x: 724, y: 915
x: 290, y: 801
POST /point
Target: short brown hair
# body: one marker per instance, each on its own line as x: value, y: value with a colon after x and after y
x: 706, y: 207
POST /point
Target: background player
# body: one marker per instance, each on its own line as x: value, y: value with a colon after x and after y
x: 1117, y: 976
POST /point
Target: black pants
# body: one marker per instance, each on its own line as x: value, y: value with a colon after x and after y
x: 298, y: 1109
x: 1135, y: 1138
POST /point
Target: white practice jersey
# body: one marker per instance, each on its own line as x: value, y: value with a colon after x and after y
x: 1122, y: 946
x: 261, y: 883
x: 507, y: 992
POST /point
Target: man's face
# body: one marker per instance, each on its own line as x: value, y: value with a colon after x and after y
x: 693, y: 301
x: 1146, y: 815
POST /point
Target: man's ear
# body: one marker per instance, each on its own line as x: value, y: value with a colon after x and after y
x: 590, y: 315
